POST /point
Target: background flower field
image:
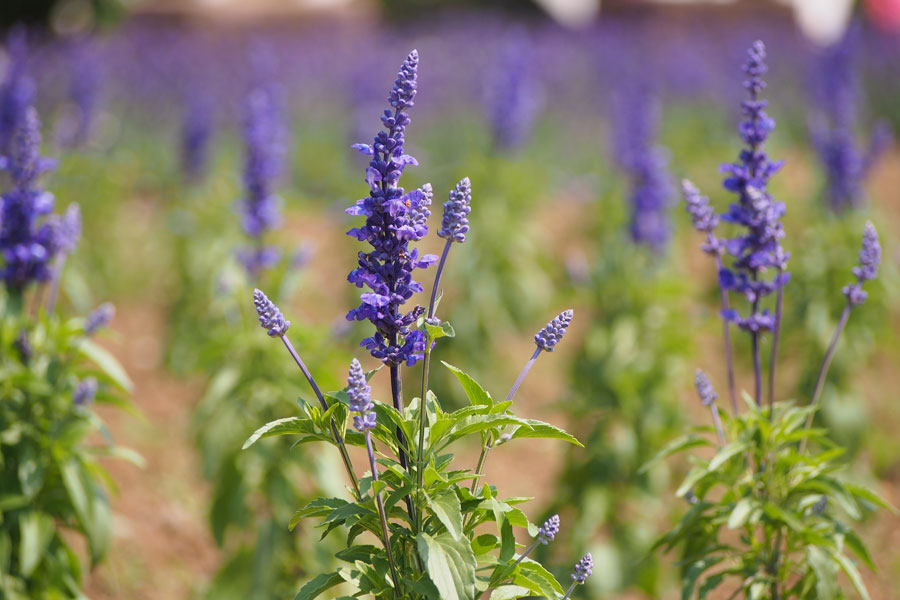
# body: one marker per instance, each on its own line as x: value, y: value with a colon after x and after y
x: 575, y: 143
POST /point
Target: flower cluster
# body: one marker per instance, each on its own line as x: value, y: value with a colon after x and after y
x: 393, y: 220
x: 867, y: 269
x: 98, y: 318
x: 270, y: 317
x: 703, y: 216
x: 550, y: 335
x: 646, y: 165
x: 85, y: 391
x: 455, y: 218
x: 513, y: 102
x: 758, y: 249
x: 263, y: 147
x: 16, y: 91
x: 28, y: 248
x: 360, y: 398
x: 704, y: 388
x: 833, y: 131
x: 583, y: 569
x: 547, y: 532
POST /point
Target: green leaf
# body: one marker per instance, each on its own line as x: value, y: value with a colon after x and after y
x: 679, y: 444
x: 31, y: 470
x: 107, y: 363
x: 476, y: 394
x: 450, y: 565
x: 825, y: 571
x: 285, y: 426
x: 37, y: 531
x: 446, y: 508
x: 539, y: 429
x: 314, y: 587
x: 852, y: 573
x: 774, y: 511
x: 726, y: 453
x: 740, y: 513
x: 509, y: 592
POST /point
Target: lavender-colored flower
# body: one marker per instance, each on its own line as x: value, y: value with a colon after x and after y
x: 393, y: 219
x: 512, y: 102
x: 834, y: 130
x: 703, y: 216
x: 704, y: 388
x: 85, y: 391
x: 583, y: 569
x: 83, y: 94
x: 547, y: 338
x: 359, y: 393
x: 263, y: 147
x: 270, y: 318
x: 16, y: 91
x: 99, y: 317
x: 867, y: 269
x: 28, y: 248
x: 196, y: 133
x: 455, y: 220
x: 646, y: 165
x: 70, y: 228
x: 758, y: 249
x: 547, y: 532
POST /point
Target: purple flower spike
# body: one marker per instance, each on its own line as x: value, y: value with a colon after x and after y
x: 547, y: 532
x: 85, y: 391
x: 394, y: 218
x: 759, y: 249
x: 16, y: 90
x: 550, y: 335
x: 99, y: 317
x: 360, y: 398
x: 703, y: 216
x: 867, y: 269
x: 583, y: 569
x: 704, y: 388
x: 455, y: 221
x: 270, y: 318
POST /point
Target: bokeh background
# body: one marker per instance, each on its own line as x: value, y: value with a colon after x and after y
x: 563, y: 113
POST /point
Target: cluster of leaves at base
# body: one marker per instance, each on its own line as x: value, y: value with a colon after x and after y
x: 450, y: 556
x: 768, y: 516
x: 52, y: 486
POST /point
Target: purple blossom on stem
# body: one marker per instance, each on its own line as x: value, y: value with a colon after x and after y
x: 27, y: 247
x: 270, y: 317
x: 646, y: 165
x: 547, y: 532
x: 85, y: 391
x: 16, y: 91
x: 583, y: 569
x: 99, y: 317
x: 708, y: 398
x: 83, y: 94
x: 455, y: 219
x: 867, y: 269
x: 393, y: 220
x: 196, y: 133
x: 547, y: 338
x: 512, y: 103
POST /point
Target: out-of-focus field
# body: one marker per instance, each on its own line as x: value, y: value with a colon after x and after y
x: 548, y: 232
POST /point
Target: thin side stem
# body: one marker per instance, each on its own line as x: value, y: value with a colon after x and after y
x: 826, y: 363
x: 757, y: 361
x: 528, y: 551
x: 342, y: 447
x: 569, y: 591
x: 776, y: 335
x: 726, y: 335
x: 426, y: 368
x: 521, y: 377
x: 718, y: 423
x: 397, y: 397
x: 382, y: 515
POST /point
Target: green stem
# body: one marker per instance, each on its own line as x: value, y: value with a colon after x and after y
x: 382, y: 515
x: 826, y: 363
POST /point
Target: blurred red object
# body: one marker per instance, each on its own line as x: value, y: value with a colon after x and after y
x: 884, y: 13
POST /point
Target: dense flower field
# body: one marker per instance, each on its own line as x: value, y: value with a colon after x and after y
x: 607, y: 313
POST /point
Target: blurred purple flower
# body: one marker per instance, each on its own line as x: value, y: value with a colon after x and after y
x: 359, y: 393
x: 513, y: 93
x: 16, y: 91
x: 867, y: 268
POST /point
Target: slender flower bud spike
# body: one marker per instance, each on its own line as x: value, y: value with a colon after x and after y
x: 85, y: 391
x: 867, y: 269
x: 547, y: 532
x: 455, y: 221
x: 548, y: 337
x: 704, y: 388
x: 360, y: 398
x: 584, y: 568
x: 270, y: 317
x: 99, y: 317
x: 703, y: 216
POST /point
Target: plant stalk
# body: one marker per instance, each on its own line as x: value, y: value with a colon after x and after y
x: 776, y: 335
x: 726, y: 335
x: 826, y: 363
x: 382, y: 514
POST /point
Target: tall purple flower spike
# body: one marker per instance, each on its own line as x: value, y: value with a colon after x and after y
x: 455, y: 219
x: 28, y: 247
x: 758, y: 249
x: 270, y: 317
x: 16, y: 90
x: 394, y: 218
x: 584, y: 568
x: 547, y: 532
x: 547, y: 338
x: 98, y: 318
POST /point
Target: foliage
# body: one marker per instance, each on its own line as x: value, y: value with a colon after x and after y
x: 54, y: 487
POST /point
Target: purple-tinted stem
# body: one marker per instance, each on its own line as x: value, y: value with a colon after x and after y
x: 757, y: 361
x: 382, y: 515
x: 718, y: 423
x: 397, y: 396
x: 521, y: 377
x: 437, y: 281
x: 829, y: 354
x: 527, y: 551
x: 342, y: 447
x: 569, y: 591
x: 726, y: 334
x: 776, y: 334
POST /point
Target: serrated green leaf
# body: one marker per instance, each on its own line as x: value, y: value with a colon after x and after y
x: 319, y: 584
x: 476, y: 394
x: 539, y: 429
x: 446, y: 508
x: 450, y: 565
x: 510, y: 592
x: 285, y: 426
